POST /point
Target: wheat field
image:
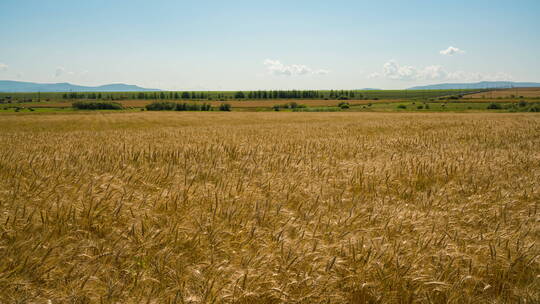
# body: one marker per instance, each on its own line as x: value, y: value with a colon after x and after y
x: 270, y: 208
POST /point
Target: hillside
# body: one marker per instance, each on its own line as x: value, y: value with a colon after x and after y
x: 477, y: 85
x: 20, y: 86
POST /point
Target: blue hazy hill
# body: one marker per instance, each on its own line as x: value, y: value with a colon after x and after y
x: 478, y: 85
x: 20, y: 86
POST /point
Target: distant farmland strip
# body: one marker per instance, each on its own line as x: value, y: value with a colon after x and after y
x: 237, y: 95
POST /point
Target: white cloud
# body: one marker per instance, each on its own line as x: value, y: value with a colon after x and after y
x: 450, y: 51
x: 394, y: 71
x: 433, y: 72
x: 320, y: 72
x: 59, y: 71
x: 3, y: 66
x: 275, y: 67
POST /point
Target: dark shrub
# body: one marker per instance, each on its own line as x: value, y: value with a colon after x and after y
x: 536, y: 108
x: 420, y: 107
x: 161, y: 106
x: 193, y: 107
x: 225, y: 107
x: 181, y: 107
x: 343, y: 98
x: 522, y: 103
x: 402, y: 107
x: 494, y: 106
x: 97, y: 105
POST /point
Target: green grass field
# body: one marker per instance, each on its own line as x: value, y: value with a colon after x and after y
x: 430, y: 107
x: 398, y: 106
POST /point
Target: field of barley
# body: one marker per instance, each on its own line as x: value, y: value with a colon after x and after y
x: 176, y: 207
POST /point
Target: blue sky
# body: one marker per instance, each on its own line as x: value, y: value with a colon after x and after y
x: 229, y: 45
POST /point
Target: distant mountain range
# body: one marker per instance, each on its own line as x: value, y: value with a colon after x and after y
x: 19, y: 86
x: 477, y: 85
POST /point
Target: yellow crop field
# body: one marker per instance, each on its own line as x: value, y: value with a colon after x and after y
x: 194, y: 207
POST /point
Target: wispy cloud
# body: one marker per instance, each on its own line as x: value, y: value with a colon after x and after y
x: 275, y: 67
x: 451, y: 51
x: 60, y: 71
x: 3, y: 66
x: 394, y: 71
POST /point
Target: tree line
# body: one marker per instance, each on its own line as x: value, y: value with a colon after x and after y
x: 185, y: 95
